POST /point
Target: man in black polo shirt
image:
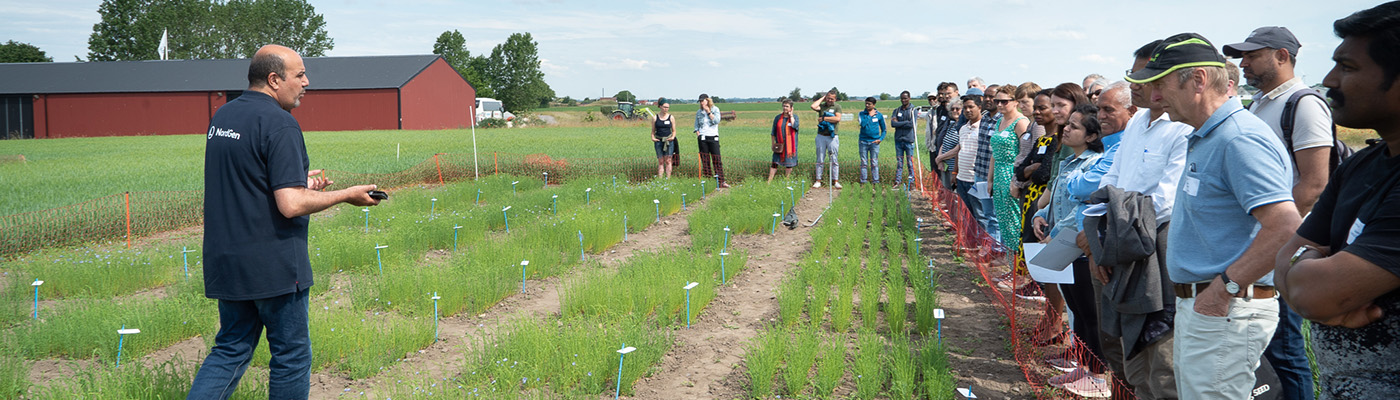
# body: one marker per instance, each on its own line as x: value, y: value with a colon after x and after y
x: 1342, y: 269
x: 258, y: 196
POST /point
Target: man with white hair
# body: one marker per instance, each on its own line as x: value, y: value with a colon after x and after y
x: 1235, y: 213
x: 1115, y: 109
x: 976, y: 83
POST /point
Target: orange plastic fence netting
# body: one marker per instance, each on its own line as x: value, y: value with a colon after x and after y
x: 1035, y: 346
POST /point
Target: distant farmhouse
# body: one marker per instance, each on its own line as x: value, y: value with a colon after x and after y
x: 177, y: 97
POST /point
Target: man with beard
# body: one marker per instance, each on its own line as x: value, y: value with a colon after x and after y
x: 1267, y: 58
x: 1341, y: 268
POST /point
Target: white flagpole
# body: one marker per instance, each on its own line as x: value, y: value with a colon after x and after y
x: 475, y: 167
x: 164, y: 43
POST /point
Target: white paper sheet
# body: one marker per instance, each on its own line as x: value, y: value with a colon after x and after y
x: 979, y: 190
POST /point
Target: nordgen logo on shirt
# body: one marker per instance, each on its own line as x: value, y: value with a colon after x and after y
x: 228, y: 133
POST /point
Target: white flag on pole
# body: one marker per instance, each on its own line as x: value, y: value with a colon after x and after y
x: 164, y: 43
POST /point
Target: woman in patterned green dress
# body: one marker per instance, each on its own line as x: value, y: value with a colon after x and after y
x: 1005, y: 145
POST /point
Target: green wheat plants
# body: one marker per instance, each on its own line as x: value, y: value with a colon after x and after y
x: 842, y: 305
x: 870, y: 297
x: 573, y: 353
x: 925, y: 298
x: 832, y: 366
x: 903, y: 370
x: 359, y: 344
x: 14, y: 377
x: 870, y: 374
x: 88, y: 328
x: 801, y: 355
x: 938, y: 382
x: 821, y: 294
x: 762, y: 358
x: 895, y: 311
x: 792, y: 294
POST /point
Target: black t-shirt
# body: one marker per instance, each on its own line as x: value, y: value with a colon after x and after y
x: 251, y: 251
x: 1359, y: 213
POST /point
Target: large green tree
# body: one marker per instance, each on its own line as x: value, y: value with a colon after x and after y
x: 16, y: 52
x: 625, y: 95
x: 205, y: 29
x: 452, y: 46
x: 514, y: 71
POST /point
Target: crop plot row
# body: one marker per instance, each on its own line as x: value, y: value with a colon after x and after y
x: 864, y: 263
x: 360, y: 329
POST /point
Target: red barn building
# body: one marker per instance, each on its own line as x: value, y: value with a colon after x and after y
x: 177, y: 97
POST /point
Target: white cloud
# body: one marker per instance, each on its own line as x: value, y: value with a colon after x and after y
x: 625, y: 63
x: 1098, y: 59
x: 714, y: 64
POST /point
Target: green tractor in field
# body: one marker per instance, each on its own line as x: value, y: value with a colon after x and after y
x: 627, y: 111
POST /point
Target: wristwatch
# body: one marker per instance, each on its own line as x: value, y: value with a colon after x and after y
x: 1231, y: 287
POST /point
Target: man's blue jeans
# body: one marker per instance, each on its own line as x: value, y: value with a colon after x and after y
x: 903, y: 158
x: 1288, y: 357
x: 240, y: 325
x: 973, y: 205
x: 869, y: 157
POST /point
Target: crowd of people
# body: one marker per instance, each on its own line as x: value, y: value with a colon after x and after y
x: 1217, y: 227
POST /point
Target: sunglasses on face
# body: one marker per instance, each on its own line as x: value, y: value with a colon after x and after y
x: 1002, y: 102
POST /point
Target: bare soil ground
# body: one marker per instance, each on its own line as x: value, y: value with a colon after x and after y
x: 974, y: 329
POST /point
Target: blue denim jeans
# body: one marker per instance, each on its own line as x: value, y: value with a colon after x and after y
x: 1288, y: 357
x: 869, y: 158
x: 240, y: 325
x: 973, y: 205
x: 988, y: 216
x: 828, y: 145
x: 903, y: 159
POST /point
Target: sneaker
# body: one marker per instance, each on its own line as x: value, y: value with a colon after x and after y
x: 817, y: 184
x: 836, y: 184
x: 1064, y: 364
x: 1030, y: 292
x: 1061, y: 380
x: 1090, y: 386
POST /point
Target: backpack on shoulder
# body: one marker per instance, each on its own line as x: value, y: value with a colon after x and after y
x: 1340, y: 151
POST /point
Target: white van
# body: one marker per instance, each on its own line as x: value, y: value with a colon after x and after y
x: 489, y: 108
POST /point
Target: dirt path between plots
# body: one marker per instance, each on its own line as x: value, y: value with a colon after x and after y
x: 974, y: 329
x: 704, y: 361
x: 540, y: 299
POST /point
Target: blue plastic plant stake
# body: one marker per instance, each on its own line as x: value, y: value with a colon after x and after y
x: 546, y: 179
x: 614, y: 181
x: 36, y: 297
x: 366, y: 219
x: 682, y: 201
x: 555, y: 204
x: 580, y: 246
x: 782, y: 207
x: 507, y: 218
x: 774, y: 228
x: 435, y: 316
x: 623, y: 351
x: 624, y: 227
x: 454, y: 237
x: 186, y: 254
x: 726, y: 239
x: 121, y: 337
x: 702, y: 186
x: 379, y: 257
x: 792, y: 195
x: 687, y: 302
x: 512, y: 187
x: 721, y: 268
x: 523, y: 263
x: 938, y: 316
x: 478, y: 196
x: 432, y: 209
x: 657, y: 202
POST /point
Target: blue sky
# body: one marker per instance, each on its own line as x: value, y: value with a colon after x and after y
x: 766, y: 48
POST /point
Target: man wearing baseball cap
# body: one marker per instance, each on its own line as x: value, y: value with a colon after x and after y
x: 1234, y: 210
x: 1268, y: 57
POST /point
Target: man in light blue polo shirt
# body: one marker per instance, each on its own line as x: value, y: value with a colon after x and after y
x: 1234, y: 210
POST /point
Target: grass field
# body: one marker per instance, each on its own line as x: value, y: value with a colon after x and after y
x: 59, y: 172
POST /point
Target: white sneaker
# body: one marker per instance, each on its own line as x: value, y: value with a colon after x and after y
x: 1090, y: 386
x: 817, y: 184
x: 836, y: 185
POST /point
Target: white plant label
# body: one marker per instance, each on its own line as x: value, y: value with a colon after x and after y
x: 692, y: 285
x: 128, y: 331
x: 626, y: 350
x: 37, y: 283
x: 938, y: 313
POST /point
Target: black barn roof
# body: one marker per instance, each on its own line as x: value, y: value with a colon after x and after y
x: 327, y: 73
